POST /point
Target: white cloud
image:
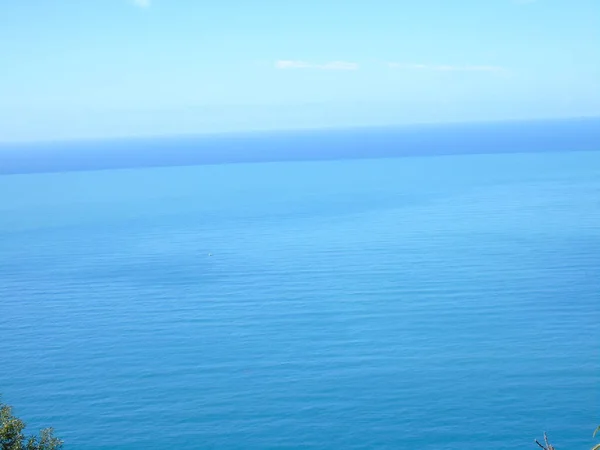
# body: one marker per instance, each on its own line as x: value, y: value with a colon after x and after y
x: 332, y: 65
x: 142, y: 3
x: 445, y: 68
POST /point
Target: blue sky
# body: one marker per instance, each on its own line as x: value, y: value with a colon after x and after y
x: 104, y: 68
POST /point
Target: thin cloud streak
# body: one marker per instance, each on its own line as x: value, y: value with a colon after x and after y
x: 142, y: 3
x: 446, y: 68
x: 331, y: 65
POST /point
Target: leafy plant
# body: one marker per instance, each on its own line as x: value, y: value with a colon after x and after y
x: 13, y: 438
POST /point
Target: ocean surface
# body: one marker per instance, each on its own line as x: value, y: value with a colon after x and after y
x: 440, y: 302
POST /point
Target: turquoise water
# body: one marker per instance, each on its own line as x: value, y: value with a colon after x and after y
x: 416, y: 303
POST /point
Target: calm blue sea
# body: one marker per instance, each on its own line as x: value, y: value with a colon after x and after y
x: 441, y: 302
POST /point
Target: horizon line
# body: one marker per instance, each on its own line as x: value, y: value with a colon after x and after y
x: 285, y: 130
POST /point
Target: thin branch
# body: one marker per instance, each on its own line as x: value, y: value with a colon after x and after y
x: 548, y: 446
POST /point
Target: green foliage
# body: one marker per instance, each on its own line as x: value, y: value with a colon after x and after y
x: 13, y: 438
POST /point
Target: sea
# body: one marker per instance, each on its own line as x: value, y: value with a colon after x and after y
x: 424, y: 288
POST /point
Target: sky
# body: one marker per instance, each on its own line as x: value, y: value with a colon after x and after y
x: 73, y: 69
